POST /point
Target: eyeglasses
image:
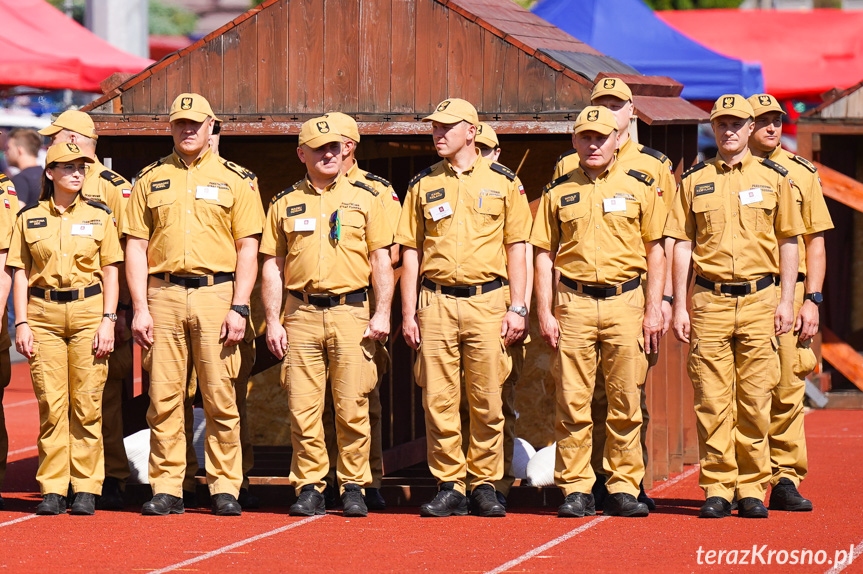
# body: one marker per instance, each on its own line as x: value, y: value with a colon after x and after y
x: 70, y: 168
x: 335, y: 226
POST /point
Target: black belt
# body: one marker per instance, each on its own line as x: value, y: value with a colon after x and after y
x: 196, y: 281
x: 66, y: 296
x: 736, y: 288
x: 464, y: 290
x: 357, y: 296
x: 598, y: 292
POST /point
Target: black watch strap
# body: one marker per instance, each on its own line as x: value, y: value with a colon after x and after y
x: 668, y: 299
x: 816, y: 297
x: 242, y: 310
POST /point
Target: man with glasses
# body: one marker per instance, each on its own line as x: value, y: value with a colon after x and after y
x: 325, y: 238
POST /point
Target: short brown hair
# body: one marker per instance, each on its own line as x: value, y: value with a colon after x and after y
x: 26, y: 138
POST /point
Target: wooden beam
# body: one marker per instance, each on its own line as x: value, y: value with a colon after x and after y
x: 840, y: 187
x: 842, y: 356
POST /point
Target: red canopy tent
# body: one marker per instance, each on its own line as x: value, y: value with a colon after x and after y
x: 43, y: 48
x: 802, y: 53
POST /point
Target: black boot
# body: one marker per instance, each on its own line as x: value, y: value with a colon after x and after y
x: 309, y: 503
x: 225, y: 504
x: 2, y: 504
x: 51, y: 505
x: 248, y: 500
x: 111, y: 497
x: 750, y: 507
x: 163, y: 504
x: 352, y: 501
x: 599, y: 492
x: 331, y: 497
x: 374, y: 500
x: 577, y: 505
x: 624, y: 504
x: 715, y: 507
x: 447, y: 502
x: 643, y: 498
x: 190, y: 499
x: 483, y: 502
x: 784, y: 496
x: 84, y: 505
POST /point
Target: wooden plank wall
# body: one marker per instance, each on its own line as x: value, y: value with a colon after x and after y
x: 365, y: 56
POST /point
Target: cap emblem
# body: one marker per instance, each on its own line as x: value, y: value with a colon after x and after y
x: 592, y: 115
x: 323, y: 127
x: 608, y: 83
x: 443, y: 105
x: 764, y: 100
x: 73, y: 148
x: 728, y: 103
x: 186, y: 104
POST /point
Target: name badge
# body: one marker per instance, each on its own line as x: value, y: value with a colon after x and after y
x: 441, y: 211
x: 207, y: 192
x: 614, y: 204
x: 750, y: 196
x: 82, y: 229
x: 305, y: 224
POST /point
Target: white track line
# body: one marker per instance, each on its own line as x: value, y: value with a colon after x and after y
x: 563, y: 538
x: 21, y: 450
x: 858, y: 550
x: 21, y: 404
x: 17, y: 520
x: 229, y: 547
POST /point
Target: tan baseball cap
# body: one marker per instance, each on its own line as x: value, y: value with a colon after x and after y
x: 611, y: 87
x: 453, y: 111
x: 193, y: 107
x: 344, y: 124
x: 319, y: 131
x: 65, y: 152
x: 731, y: 105
x: 485, y: 135
x: 74, y: 121
x: 763, y: 103
x: 595, y: 119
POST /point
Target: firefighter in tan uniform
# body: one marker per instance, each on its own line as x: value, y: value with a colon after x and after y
x: 192, y: 229
x: 735, y: 222
x: 787, y: 439
x: 600, y: 226
x: 106, y: 186
x: 614, y: 94
x: 463, y: 227
x: 66, y: 249
x: 347, y: 126
x: 8, y: 211
x: 326, y: 237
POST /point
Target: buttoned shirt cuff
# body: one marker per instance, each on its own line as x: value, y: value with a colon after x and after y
x: 406, y: 242
x: 378, y: 245
x: 516, y: 238
x: 818, y: 227
x: 139, y: 233
x: 791, y: 233
x: 268, y: 251
x: 110, y: 260
x: 248, y: 232
x: 545, y: 245
x: 676, y: 234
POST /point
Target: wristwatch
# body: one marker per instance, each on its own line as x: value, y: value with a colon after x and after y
x: 111, y: 316
x: 242, y: 310
x: 816, y: 298
x: 520, y: 311
x: 668, y: 299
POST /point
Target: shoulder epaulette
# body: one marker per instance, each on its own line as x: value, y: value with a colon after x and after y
x: 775, y: 166
x: 640, y: 176
x: 100, y: 205
x: 693, y: 169
x: 153, y: 165
x: 285, y: 192
x: 654, y: 153
x: 565, y: 154
x: 420, y: 175
x: 238, y: 169
x: 500, y: 168
x: 805, y: 163
x: 365, y: 186
x: 378, y: 179
x: 555, y: 182
x: 114, y: 178
x: 3, y: 178
x: 27, y: 207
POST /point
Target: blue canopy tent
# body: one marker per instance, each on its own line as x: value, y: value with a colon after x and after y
x: 629, y: 31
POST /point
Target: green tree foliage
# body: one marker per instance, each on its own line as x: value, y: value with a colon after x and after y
x: 165, y: 19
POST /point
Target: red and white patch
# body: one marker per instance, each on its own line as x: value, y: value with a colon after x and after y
x: 127, y: 193
x: 659, y: 191
x: 252, y: 185
x: 395, y: 196
x: 6, y: 202
x: 11, y: 190
x: 521, y: 189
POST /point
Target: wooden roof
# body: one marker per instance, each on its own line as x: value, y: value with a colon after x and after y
x: 386, y: 62
x: 845, y: 106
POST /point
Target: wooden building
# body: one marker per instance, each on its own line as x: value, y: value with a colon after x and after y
x: 388, y: 63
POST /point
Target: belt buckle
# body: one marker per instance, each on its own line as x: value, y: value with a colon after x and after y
x: 618, y: 289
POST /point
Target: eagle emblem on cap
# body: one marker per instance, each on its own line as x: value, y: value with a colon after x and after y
x: 73, y: 148
x: 592, y: 115
x: 323, y: 127
x: 728, y: 102
x: 186, y: 104
x: 764, y: 100
x: 442, y: 106
x: 608, y: 83
x: 479, y: 129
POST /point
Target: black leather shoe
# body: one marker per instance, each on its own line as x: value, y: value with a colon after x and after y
x: 163, y: 504
x: 51, y: 505
x: 644, y: 499
x: 624, y: 504
x: 111, y: 497
x: 447, y: 502
x: 331, y: 497
x: 190, y: 499
x: 248, y: 500
x: 501, y: 499
x: 576, y: 505
x: 2, y: 504
x: 374, y: 500
x: 784, y: 496
x: 599, y: 491
x: 84, y: 505
x: 715, y: 507
x: 483, y: 502
x: 352, y: 501
x: 750, y: 507
x: 309, y: 503
x: 225, y: 504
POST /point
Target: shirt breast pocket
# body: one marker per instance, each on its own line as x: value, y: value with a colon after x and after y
x: 161, y: 204
x: 625, y: 222
x: 87, y: 246
x: 488, y: 209
x: 37, y: 243
x: 353, y: 226
x: 217, y: 209
x: 296, y: 240
x: 759, y: 215
x: 441, y: 226
x: 709, y: 215
x: 574, y: 220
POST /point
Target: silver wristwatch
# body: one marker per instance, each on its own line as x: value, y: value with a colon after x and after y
x: 520, y: 311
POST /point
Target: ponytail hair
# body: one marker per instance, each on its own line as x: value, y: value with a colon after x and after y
x: 47, y: 184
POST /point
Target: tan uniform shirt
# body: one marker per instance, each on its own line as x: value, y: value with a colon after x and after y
x: 638, y: 157
x: 298, y: 229
x: 108, y: 187
x: 64, y: 250
x: 192, y: 215
x: 813, y: 208
x: 598, y: 228
x: 8, y: 212
x: 386, y: 193
x: 461, y: 222
x: 735, y: 214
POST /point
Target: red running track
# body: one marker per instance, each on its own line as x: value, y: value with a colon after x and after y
x: 527, y: 540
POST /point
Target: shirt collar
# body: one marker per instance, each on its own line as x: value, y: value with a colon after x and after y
x: 474, y: 165
x: 743, y: 165
x: 53, y: 206
x: 179, y: 162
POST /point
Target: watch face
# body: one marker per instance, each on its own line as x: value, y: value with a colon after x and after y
x: 817, y: 298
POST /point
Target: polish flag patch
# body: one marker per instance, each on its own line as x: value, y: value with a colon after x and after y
x: 127, y: 193
x: 11, y: 190
x: 395, y: 196
x: 6, y: 202
x: 521, y: 189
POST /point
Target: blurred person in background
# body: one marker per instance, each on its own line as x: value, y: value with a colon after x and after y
x: 22, y: 153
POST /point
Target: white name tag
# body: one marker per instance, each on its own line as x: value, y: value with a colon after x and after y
x: 207, y: 192
x: 750, y: 196
x: 440, y: 211
x: 614, y: 204
x: 305, y: 224
x: 82, y: 229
